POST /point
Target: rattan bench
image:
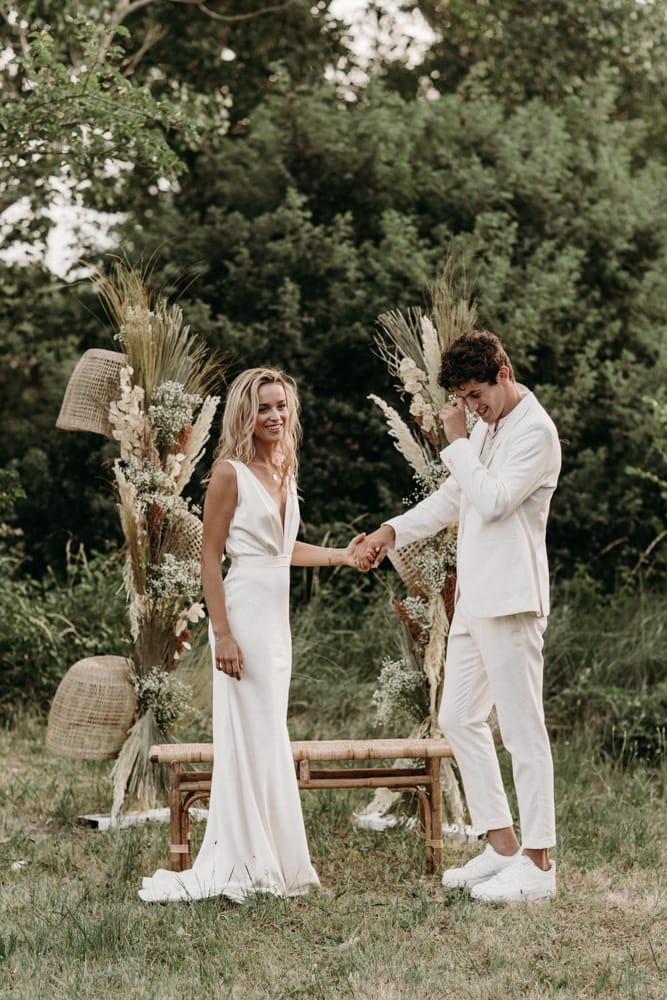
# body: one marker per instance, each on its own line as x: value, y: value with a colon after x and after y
x: 420, y: 776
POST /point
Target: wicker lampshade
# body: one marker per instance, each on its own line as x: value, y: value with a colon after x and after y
x: 186, y: 540
x: 92, y: 387
x: 404, y: 562
x: 93, y: 709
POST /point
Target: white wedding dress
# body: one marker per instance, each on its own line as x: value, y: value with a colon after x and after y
x: 255, y: 841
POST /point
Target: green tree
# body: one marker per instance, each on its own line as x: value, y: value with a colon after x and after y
x: 64, y: 478
x: 550, y: 50
x: 291, y: 231
x: 70, y: 117
x: 229, y: 54
x: 109, y: 97
x: 320, y: 214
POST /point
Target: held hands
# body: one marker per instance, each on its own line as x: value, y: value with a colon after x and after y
x: 228, y: 656
x: 374, y: 548
x: 350, y: 552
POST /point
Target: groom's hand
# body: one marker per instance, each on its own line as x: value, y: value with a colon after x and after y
x: 452, y: 418
x: 374, y: 548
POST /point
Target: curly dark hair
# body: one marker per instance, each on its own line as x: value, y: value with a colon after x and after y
x: 477, y: 356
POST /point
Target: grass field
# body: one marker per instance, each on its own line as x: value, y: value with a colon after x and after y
x: 71, y: 924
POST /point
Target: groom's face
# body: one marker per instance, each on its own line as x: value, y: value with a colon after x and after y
x: 489, y: 400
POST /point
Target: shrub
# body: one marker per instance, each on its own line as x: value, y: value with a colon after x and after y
x: 46, y: 625
x: 606, y: 668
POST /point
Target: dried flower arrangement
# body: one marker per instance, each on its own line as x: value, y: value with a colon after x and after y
x: 161, y: 420
x: 409, y: 688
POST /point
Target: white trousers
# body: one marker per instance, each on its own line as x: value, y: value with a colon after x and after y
x: 499, y: 661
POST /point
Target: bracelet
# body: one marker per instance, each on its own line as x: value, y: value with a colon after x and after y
x: 330, y: 562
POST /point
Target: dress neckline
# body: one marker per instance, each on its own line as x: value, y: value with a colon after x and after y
x: 281, y: 517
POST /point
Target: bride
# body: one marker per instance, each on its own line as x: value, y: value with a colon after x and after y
x: 255, y: 841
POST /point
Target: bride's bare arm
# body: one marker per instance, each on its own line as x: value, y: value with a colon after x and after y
x: 304, y: 554
x: 219, y: 506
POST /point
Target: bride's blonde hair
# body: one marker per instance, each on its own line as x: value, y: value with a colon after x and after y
x: 240, y: 415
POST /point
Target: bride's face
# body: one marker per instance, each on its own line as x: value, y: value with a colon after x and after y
x: 272, y: 413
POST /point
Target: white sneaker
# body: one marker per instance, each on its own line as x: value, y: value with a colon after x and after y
x: 520, y: 882
x: 480, y: 868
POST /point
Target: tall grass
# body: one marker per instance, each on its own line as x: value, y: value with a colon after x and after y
x: 339, y: 639
x: 46, y: 625
x: 605, y: 655
x: 606, y: 668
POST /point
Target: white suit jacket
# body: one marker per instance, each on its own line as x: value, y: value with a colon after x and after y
x: 501, y: 505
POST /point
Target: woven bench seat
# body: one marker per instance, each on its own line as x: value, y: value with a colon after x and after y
x: 420, y: 775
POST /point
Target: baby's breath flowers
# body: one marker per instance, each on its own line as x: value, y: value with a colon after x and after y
x: 173, y: 580
x: 168, y: 698
x: 429, y: 479
x: 417, y: 610
x: 435, y: 563
x: 151, y: 481
x: 400, y: 693
x: 171, y: 413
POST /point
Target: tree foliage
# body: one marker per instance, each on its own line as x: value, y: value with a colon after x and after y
x: 71, y: 119
x: 321, y: 214
x: 64, y: 478
x: 551, y: 50
x: 307, y: 208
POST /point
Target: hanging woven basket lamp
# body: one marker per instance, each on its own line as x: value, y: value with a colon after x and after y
x: 92, y: 387
x: 93, y: 709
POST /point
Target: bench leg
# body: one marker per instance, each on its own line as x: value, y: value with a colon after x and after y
x: 178, y: 821
x: 433, y: 768
x: 425, y: 823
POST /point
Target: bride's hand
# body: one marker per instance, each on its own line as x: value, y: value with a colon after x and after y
x: 352, y: 550
x: 228, y: 655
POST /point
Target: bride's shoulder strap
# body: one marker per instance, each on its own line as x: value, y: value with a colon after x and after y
x: 229, y: 468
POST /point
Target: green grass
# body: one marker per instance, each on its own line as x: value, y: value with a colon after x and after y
x: 71, y: 924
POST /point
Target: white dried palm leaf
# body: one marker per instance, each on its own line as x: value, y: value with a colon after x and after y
x: 201, y: 430
x: 434, y: 654
x: 134, y: 531
x: 401, y: 339
x: 195, y: 668
x: 137, y: 612
x: 133, y: 777
x: 432, y: 352
x: 412, y: 450
x: 451, y: 795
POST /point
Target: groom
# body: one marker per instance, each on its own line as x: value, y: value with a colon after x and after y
x: 499, y: 489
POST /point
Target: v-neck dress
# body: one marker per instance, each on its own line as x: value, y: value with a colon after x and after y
x: 255, y: 841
